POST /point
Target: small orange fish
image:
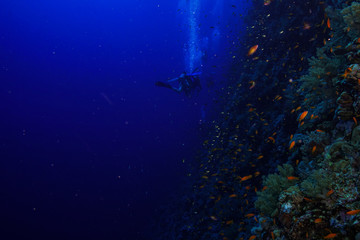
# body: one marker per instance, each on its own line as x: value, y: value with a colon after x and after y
x: 355, y: 121
x: 307, y: 199
x: 272, y: 235
x: 260, y: 157
x: 256, y: 174
x: 252, y: 237
x: 252, y: 50
x: 264, y: 188
x: 252, y: 84
x: 292, y: 178
x: 229, y: 222
x: 330, y: 236
x: 320, y: 131
x: 303, y: 115
x: 318, y: 220
x: 347, y: 72
x: 329, y: 192
x: 306, y: 26
x: 292, y: 144
x: 249, y: 215
x: 328, y: 23
x: 232, y: 196
x: 246, y: 178
x: 313, y: 149
x: 213, y: 218
x: 267, y: 2
x: 353, y: 212
x: 272, y: 139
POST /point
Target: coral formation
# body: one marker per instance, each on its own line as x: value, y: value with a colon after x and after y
x: 268, y: 199
x: 314, y: 193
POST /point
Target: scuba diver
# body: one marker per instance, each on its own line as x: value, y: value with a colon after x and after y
x: 188, y: 83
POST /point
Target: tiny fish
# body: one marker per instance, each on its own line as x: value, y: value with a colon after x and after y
x: 252, y: 237
x: 318, y: 220
x: 229, y: 222
x: 330, y: 236
x: 246, y: 178
x: 292, y: 178
x: 329, y: 192
x: 252, y: 50
x: 353, y: 212
x: 313, y: 149
x: 249, y: 215
x: 303, y: 115
x: 292, y: 144
x: 232, y: 196
x: 328, y: 23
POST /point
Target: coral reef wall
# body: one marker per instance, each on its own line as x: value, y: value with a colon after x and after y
x: 283, y: 161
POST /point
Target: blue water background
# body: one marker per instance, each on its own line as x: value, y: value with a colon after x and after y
x: 89, y: 147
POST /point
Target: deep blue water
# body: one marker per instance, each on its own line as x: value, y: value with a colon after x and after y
x: 89, y: 147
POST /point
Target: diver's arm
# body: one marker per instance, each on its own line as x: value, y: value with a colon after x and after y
x: 173, y: 80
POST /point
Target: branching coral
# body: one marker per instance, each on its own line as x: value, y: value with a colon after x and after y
x: 317, y: 184
x: 267, y: 201
x: 319, y: 83
x: 351, y: 17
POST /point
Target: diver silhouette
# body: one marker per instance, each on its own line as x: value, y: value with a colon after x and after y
x: 187, y: 83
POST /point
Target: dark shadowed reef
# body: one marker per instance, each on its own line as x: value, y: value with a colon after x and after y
x: 282, y: 161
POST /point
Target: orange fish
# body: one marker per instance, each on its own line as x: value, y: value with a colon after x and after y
x: 313, y: 149
x: 232, y: 196
x: 252, y: 50
x: 292, y: 178
x: 249, y: 215
x: 353, y: 212
x: 306, y: 26
x: 320, y: 131
x: 318, y: 220
x: 272, y: 139
x: 330, y: 236
x: 303, y: 115
x: 347, y: 71
x: 229, y: 222
x: 292, y: 144
x: 272, y: 235
x: 260, y: 157
x: 252, y: 237
x: 246, y: 178
x: 329, y: 192
x: 267, y: 2
x: 355, y: 121
x: 252, y: 84
x: 213, y: 218
x: 307, y: 199
x: 328, y: 23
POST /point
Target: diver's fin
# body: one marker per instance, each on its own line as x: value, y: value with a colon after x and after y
x: 162, y: 84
